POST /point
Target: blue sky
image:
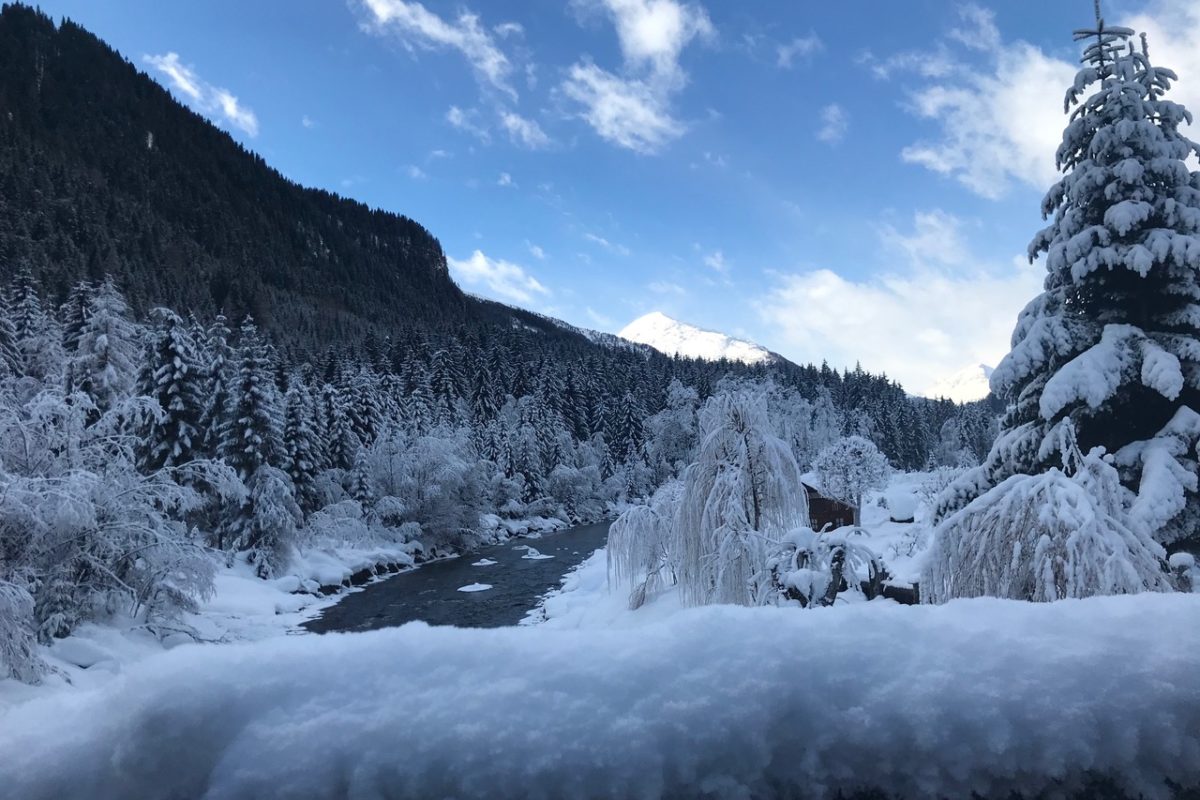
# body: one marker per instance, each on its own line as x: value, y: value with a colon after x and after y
x: 854, y: 181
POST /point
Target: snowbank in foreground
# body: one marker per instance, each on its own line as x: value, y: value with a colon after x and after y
x: 984, y: 695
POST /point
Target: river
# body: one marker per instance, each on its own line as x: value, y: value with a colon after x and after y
x: 431, y: 593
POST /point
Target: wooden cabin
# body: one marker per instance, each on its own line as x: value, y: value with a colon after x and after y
x: 825, y: 511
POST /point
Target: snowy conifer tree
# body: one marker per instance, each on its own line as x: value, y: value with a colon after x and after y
x: 105, y: 363
x: 1105, y: 361
x: 251, y: 428
x: 175, y: 378
x: 1113, y: 344
x: 300, y: 444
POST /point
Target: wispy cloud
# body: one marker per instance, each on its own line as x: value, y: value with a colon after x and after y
x: 716, y: 262
x: 415, y: 172
x: 633, y: 109
x: 667, y: 288
x: 798, y: 49
x: 219, y: 104
x: 500, y: 279
x: 834, y: 124
x: 468, y: 120
x: 506, y: 180
x: 535, y: 251
x: 619, y: 249
x: 419, y: 28
x: 524, y: 132
x: 308, y: 122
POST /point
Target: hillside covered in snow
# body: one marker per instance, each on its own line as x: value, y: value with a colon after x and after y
x: 677, y: 338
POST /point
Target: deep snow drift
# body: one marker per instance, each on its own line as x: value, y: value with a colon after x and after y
x: 978, y: 695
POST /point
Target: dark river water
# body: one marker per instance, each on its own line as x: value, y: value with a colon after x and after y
x: 431, y: 594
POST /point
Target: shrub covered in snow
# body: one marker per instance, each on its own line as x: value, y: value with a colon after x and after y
x: 849, y: 468
x: 1045, y: 537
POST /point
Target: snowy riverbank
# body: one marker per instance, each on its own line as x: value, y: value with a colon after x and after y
x: 978, y: 695
x: 243, y: 608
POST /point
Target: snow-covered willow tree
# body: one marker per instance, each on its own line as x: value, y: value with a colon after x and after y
x: 639, y: 549
x: 740, y: 496
x: 1109, y: 354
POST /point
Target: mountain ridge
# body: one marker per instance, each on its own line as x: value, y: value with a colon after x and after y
x: 673, y: 337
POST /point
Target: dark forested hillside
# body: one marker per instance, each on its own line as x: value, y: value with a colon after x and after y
x: 103, y: 172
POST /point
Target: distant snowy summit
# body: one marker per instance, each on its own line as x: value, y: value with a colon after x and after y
x: 677, y: 338
x: 970, y: 383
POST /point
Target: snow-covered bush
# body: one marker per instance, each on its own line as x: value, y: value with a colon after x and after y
x: 18, y: 646
x: 849, y: 468
x: 267, y: 525
x: 1045, y: 537
x: 813, y: 568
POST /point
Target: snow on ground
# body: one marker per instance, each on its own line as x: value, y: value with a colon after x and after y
x: 243, y: 608
x: 977, y: 695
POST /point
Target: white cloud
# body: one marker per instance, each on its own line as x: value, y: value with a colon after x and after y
x: 524, y: 132
x: 506, y: 29
x: 1000, y: 122
x: 633, y: 109
x: 536, y: 251
x: 716, y: 261
x: 505, y: 180
x: 979, y: 31
x: 439, y: 153
x: 802, y: 47
x: 653, y: 33
x: 218, y: 103
x: 834, y: 124
x: 500, y: 279
x: 418, y: 27
x: 666, y: 287
x: 624, y: 111
x: 307, y: 121
x: 468, y: 121
x: 937, y: 312
x: 619, y: 249
x: 415, y: 172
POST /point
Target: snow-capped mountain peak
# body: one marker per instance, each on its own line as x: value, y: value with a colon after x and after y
x: 673, y: 337
x: 969, y: 383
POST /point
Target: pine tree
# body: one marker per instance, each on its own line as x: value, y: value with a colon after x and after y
x: 175, y: 378
x: 251, y: 427
x: 1113, y: 343
x: 105, y: 363
x: 218, y: 356
x: 10, y: 355
x: 300, y: 444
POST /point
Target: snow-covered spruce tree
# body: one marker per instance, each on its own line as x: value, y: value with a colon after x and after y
x: 300, y: 444
x: 104, y: 364
x: 1106, y: 360
x: 174, y: 377
x: 742, y: 494
x: 849, y: 468
x: 10, y: 354
x: 250, y: 429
